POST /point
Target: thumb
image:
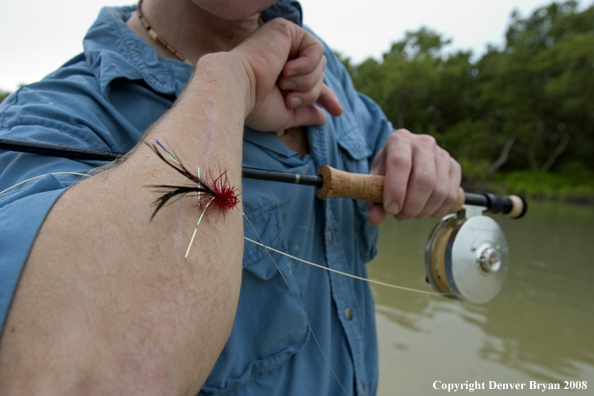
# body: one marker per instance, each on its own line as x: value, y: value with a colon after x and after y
x: 310, y: 115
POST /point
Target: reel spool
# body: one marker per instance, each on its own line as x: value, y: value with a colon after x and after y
x: 467, y: 256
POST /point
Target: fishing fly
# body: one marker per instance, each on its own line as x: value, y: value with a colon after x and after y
x: 209, y: 190
x: 216, y: 192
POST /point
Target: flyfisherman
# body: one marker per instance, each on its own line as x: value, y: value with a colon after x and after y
x: 107, y: 303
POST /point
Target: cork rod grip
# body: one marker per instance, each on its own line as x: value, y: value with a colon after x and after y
x: 341, y: 184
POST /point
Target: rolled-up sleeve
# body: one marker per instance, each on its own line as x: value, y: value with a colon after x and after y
x: 30, y: 184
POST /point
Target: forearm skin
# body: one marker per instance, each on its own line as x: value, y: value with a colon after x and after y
x: 107, y: 303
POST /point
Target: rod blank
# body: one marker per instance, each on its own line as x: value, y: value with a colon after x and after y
x: 329, y: 182
x: 57, y: 150
x: 283, y: 177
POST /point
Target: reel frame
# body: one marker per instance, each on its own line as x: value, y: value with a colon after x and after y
x: 467, y: 257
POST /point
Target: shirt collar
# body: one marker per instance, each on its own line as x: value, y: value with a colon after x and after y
x: 113, y: 50
x: 287, y: 9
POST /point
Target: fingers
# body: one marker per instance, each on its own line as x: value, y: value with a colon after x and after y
x: 281, y: 48
x: 307, y: 60
x: 376, y: 214
x: 320, y: 94
x: 433, y: 182
x: 309, y: 88
x: 303, y: 90
x: 302, y: 78
x: 398, y: 167
x: 444, y: 188
x: 310, y: 115
x: 329, y: 101
x: 452, y: 196
x: 422, y: 179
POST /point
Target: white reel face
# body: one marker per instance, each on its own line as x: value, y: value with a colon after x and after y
x: 467, y: 258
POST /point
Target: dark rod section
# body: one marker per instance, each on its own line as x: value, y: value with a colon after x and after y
x: 494, y: 203
x: 57, y: 150
x: 81, y: 154
x: 284, y: 177
x: 477, y: 200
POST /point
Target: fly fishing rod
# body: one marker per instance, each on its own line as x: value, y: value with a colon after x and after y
x: 329, y: 182
x: 466, y: 256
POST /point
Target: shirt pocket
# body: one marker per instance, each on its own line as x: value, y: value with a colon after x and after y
x: 354, y: 151
x: 356, y: 157
x: 270, y: 324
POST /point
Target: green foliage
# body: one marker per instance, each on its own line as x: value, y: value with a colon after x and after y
x: 527, y: 108
x: 3, y: 95
x: 540, y: 184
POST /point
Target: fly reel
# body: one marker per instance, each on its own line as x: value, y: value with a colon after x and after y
x: 466, y: 257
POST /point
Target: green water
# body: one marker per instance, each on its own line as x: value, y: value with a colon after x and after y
x: 538, y: 328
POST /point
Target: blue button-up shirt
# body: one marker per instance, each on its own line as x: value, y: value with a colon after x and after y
x: 289, y: 337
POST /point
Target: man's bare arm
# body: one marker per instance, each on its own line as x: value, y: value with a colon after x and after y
x: 107, y: 304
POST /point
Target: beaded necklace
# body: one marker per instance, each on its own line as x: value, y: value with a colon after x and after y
x: 155, y: 36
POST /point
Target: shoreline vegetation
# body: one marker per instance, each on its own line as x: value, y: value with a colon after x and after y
x: 519, y: 119
x: 541, y: 186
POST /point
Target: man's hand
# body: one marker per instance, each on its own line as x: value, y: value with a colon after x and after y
x: 422, y: 180
x: 285, y: 67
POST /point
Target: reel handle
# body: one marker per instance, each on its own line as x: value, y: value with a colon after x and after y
x: 341, y: 184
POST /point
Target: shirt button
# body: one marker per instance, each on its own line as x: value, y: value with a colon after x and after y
x: 349, y: 313
x: 330, y: 237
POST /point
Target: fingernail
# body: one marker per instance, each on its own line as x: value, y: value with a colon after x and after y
x: 290, y: 73
x: 296, y: 102
x: 393, y: 208
x: 401, y: 218
x: 289, y: 85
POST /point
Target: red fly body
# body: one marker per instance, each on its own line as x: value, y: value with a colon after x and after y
x: 214, y: 192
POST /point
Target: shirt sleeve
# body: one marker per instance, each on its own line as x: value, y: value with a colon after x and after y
x: 30, y: 184
x: 20, y: 220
